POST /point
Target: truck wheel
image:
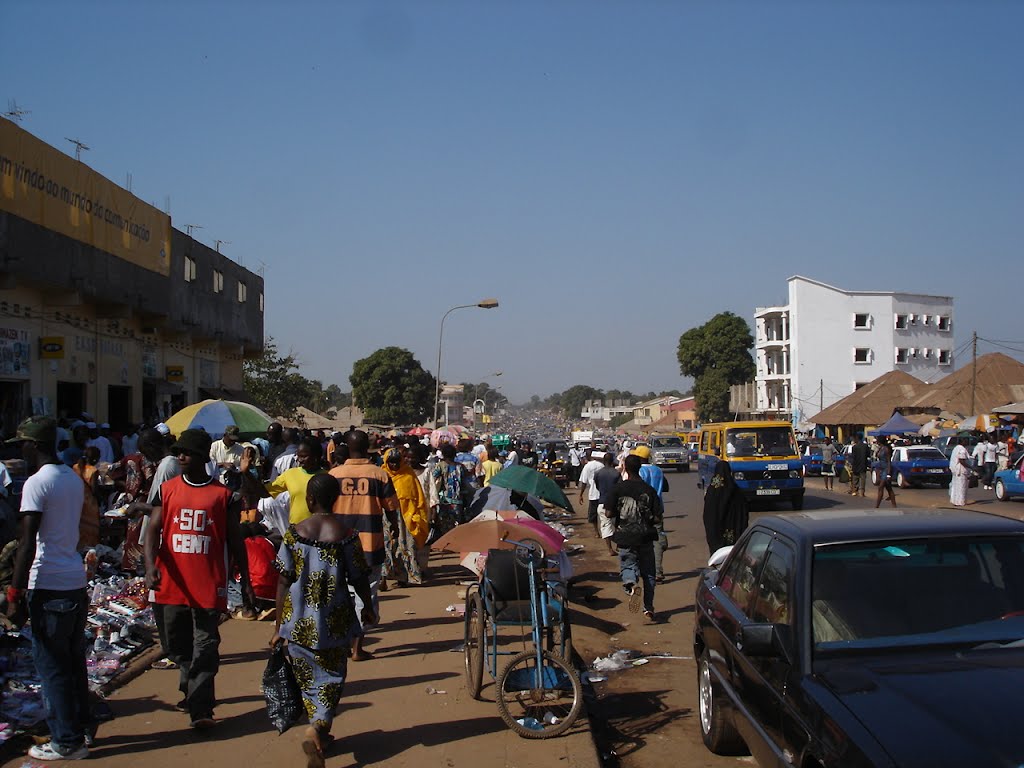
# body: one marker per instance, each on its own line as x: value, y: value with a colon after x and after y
x: 716, y: 726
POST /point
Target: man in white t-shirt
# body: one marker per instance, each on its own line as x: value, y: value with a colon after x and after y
x: 288, y: 458
x: 101, y: 442
x: 575, y: 464
x: 595, y: 461
x: 226, y: 453
x: 990, y: 461
x: 50, y: 578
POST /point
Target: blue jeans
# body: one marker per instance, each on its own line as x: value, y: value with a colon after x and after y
x: 58, y: 650
x: 636, y: 563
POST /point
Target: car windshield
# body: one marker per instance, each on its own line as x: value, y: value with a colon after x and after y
x: 931, y: 454
x: 916, y: 592
x: 760, y: 441
x: 666, y: 442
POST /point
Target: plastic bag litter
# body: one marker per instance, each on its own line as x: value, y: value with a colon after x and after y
x: 282, y: 692
x: 613, y: 662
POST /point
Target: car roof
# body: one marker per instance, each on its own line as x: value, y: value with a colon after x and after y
x: 835, y: 526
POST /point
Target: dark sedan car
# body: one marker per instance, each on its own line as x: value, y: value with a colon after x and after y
x: 866, y: 638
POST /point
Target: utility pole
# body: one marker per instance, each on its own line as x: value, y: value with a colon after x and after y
x: 821, y: 395
x: 974, y: 368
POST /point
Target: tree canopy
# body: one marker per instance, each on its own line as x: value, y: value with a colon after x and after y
x: 391, y: 387
x: 716, y: 355
x: 274, y: 382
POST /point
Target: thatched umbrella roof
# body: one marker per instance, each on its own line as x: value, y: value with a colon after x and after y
x: 874, y: 402
x: 1000, y: 380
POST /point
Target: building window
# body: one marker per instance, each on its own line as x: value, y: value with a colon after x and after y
x: 945, y: 358
x: 901, y: 356
x: 218, y: 281
x: 944, y: 322
x: 901, y: 322
x: 261, y: 301
x: 190, y: 269
x: 926, y: 319
x: 926, y: 353
x: 862, y: 322
x: 242, y: 292
x: 862, y: 355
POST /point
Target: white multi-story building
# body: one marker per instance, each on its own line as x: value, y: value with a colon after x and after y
x: 827, y: 342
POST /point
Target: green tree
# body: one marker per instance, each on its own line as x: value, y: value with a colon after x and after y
x: 618, y: 421
x: 336, y: 398
x: 274, y: 382
x: 573, y: 398
x: 716, y: 355
x: 391, y: 387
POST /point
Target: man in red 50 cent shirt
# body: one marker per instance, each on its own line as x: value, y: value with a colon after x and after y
x: 193, y: 527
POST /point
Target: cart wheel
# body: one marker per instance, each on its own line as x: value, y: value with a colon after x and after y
x: 539, y: 703
x: 476, y: 643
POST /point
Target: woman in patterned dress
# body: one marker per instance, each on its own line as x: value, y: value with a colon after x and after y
x: 318, y: 560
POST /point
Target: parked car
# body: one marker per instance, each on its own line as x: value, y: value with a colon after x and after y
x: 1009, y: 482
x: 945, y: 444
x: 811, y: 460
x: 669, y: 452
x: 865, y: 638
x: 915, y: 465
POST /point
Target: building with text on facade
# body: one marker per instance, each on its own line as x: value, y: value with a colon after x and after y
x: 826, y: 343
x: 104, y: 306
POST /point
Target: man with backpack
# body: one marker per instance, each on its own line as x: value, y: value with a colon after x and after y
x: 637, y: 511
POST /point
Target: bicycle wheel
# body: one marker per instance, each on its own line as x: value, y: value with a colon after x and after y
x: 476, y: 643
x: 539, y: 703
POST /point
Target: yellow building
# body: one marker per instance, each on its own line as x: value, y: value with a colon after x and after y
x: 104, y: 306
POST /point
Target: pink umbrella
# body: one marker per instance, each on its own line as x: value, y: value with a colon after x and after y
x: 439, y: 436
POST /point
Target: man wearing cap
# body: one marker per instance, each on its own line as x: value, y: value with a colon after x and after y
x: 654, y: 477
x: 50, y: 579
x: 227, y: 452
x: 192, y: 529
x: 100, y: 442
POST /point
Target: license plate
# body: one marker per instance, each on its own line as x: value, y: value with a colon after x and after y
x: 936, y: 471
x: 777, y: 466
x: 767, y: 491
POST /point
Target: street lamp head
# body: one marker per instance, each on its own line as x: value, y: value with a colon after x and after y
x: 488, y: 303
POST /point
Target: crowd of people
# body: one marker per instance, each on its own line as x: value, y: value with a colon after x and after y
x: 292, y: 526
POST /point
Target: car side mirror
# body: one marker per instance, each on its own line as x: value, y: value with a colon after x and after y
x: 765, y: 641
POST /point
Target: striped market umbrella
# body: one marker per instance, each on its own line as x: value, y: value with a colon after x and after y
x: 215, y: 415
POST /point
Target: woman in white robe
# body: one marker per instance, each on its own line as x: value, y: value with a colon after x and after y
x: 960, y: 466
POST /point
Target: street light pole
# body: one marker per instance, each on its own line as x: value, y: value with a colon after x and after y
x: 485, y: 304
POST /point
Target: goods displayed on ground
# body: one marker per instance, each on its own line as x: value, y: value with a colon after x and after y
x: 119, y: 627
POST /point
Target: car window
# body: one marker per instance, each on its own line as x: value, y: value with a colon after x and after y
x: 740, y: 573
x: 772, y: 602
x: 932, y: 454
x: 904, y: 592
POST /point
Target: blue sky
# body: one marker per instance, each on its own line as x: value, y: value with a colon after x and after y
x: 614, y: 173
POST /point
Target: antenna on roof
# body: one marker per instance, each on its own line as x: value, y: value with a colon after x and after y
x: 14, y: 112
x: 261, y: 269
x: 79, y: 146
x: 218, y: 243
x: 128, y: 181
x: 190, y: 227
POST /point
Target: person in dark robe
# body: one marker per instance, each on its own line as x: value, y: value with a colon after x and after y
x: 725, y: 509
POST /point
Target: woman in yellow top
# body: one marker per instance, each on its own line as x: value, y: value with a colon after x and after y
x: 491, y: 465
x: 406, y: 549
x: 293, y: 480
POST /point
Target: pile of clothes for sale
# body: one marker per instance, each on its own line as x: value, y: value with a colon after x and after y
x: 120, y: 625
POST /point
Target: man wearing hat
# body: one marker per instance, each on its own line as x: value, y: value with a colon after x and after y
x: 49, y: 579
x: 192, y: 529
x: 102, y: 442
x: 654, y: 477
x: 227, y: 452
